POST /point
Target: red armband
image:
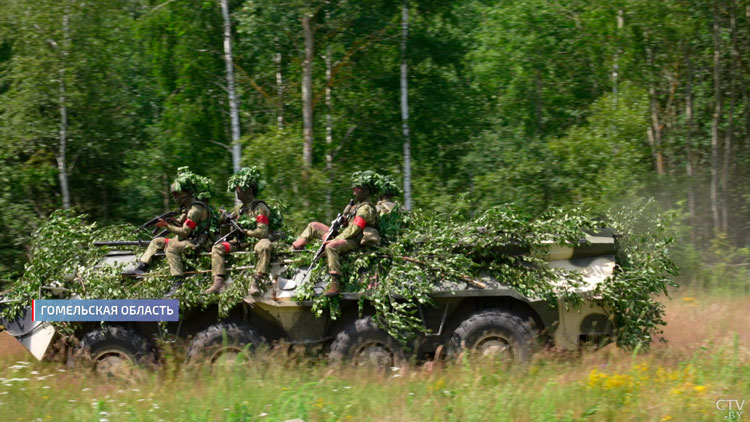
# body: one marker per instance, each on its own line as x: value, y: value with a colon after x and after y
x: 227, y: 247
x: 360, y: 222
x: 262, y: 219
x: 190, y: 223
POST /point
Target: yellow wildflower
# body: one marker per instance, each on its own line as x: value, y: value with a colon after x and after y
x: 618, y: 381
x: 666, y: 418
x: 699, y: 388
x: 596, y: 377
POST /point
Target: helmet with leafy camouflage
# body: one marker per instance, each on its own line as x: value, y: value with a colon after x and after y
x: 187, y: 181
x: 386, y: 185
x: 246, y: 177
x: 365, y: 179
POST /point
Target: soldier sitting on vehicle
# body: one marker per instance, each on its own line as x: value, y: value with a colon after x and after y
x: 191, y: 229
x: 253, y: 213
x: 360, y: 216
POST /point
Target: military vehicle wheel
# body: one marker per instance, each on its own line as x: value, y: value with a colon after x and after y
x: 224, y: 344
x: 493, y: 333
x: 115, y: 351
x: 364, y: 344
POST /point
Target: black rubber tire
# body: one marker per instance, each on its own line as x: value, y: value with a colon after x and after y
x: 114, y: 345
x: 209, y: 343
x: 493, y: 325
x: 361, y: 337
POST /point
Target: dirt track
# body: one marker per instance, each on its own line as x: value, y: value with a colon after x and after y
x: 9, y: 347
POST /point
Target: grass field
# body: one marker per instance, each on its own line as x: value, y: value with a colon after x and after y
x: 705, y: 360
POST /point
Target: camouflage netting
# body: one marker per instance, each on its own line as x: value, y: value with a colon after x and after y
x: 187, y: 181
x: 365, y: 179
x: 386, y: 185
x: 244, y: 178
x: 431, y: 247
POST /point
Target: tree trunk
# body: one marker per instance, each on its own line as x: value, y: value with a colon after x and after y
x: 279, y: 89
x: 655, y: 129
x: 539, y: 125
x: 307, y: 107
x: 62, y: 165
x: 689, y: 162
x: 233, y: 108
x: 329, y: 129
x: 729, y: 136
x: 714, y: 189
x: 405, y: 106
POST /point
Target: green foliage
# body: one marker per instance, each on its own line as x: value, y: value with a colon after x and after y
x: 246, y: 177
x: 508, y: 247
x: 366, y: 179
x: 386, y: 185
x: 187, y: 181
x: 501, y: 245
x: 645, y: 270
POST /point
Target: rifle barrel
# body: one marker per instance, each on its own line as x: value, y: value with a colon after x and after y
x: 122, y: 243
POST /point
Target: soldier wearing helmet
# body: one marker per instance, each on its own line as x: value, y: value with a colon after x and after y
x: 360, y: 216
x: 190, y: 230
x: 252, y: 213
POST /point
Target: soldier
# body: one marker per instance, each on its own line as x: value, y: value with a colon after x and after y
x: 363, y: 214
x: 191, y: 228
x: 387, y: 190
x: 246, y: 183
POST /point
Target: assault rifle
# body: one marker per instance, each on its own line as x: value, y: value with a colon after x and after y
x: 236, y: 229
x: 166, y: 216
x: 333, y: 230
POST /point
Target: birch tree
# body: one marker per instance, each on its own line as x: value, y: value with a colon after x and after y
x: 233, y: 101
x: 307, y: 105
x: 405, y: 105
x: 62, y: 151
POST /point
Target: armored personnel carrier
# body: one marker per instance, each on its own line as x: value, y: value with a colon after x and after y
x: 479, y: 315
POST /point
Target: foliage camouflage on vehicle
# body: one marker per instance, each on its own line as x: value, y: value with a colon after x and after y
x: 432, y: 248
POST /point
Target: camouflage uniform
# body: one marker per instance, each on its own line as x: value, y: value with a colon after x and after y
x: 192, y: 228
x: 259, y: 212
x: 246, y: 183
x: 361, y: 215
x: 193, y: 224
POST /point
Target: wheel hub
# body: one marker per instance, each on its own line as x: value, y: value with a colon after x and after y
x: 375, y: 354
x: 494, y: 346
x: 114, y: 363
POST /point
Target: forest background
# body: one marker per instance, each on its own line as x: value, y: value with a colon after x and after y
x: 469, y: 103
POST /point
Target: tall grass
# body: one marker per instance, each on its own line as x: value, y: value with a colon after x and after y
x: 679, y: 381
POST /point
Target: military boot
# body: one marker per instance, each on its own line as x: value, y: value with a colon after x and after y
x: 334, y: 286
x: 139, y: 269
x: 216, y: 286
x: 254, y: 290
x: 177, y: 281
